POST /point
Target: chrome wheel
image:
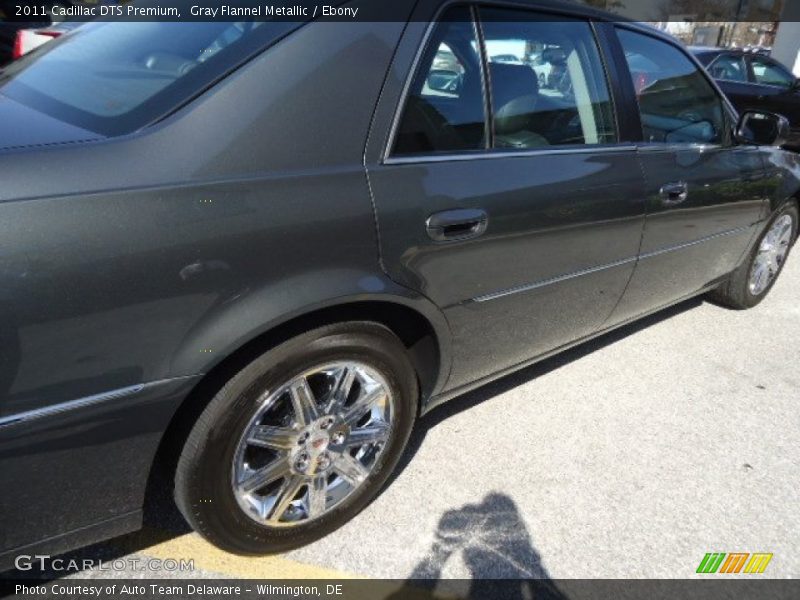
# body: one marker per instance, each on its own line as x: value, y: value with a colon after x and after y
x: 311, y: 443
x: 771, y: 254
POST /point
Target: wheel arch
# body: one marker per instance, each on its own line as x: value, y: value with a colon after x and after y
x: 418, y: 324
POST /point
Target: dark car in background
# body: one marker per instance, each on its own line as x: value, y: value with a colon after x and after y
x: 754, y: 81
x: 240, y: 259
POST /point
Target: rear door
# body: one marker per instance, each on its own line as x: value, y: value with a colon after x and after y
x: 516, y: 207
x: 704, y: 193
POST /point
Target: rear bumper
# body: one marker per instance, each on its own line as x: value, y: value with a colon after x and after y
x: 78, y: 474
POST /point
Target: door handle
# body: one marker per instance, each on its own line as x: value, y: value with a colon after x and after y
x: 457, y: 224
x: 674, y: 193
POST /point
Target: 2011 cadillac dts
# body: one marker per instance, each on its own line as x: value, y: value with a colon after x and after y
x: 245, y: 256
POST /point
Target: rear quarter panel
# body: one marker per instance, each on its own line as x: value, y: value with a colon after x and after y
x: 150, y: 258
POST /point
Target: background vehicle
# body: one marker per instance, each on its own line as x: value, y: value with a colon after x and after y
x: 509, y: 59
x: 250, y: 307
x: 753, y: 81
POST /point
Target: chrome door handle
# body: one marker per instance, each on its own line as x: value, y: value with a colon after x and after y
x: 457, y: 224
x: 674, y: 193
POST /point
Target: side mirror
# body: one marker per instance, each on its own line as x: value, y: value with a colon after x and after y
x: 762, y: 128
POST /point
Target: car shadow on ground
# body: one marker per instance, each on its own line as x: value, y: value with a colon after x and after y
x: 163, y: 521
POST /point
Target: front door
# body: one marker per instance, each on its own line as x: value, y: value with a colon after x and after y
x: 514, y: 206
x: 704, y: 193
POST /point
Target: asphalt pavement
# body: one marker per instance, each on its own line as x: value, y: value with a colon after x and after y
x: 629, y: 457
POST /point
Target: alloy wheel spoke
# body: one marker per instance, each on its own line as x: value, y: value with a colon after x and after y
x: 317, y: 496
x: 371, y: 434
x: 350, y: 469
x: 284, y: 497
x: 785, y: 231
x: 266, y: 475
x: 355, y: 411
x: 293, y: 421
x: 303, y: 402
x: 275, y: 438
x: 759, y: 276
x: 341, y: 390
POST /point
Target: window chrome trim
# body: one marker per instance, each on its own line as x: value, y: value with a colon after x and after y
x: 55, y: 409
x: 672, y: 147
x: 599, y: 268
x: 422, y: 46
x: 485, y: 154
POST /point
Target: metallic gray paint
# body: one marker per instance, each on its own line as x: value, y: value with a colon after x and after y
x: 155, y: 256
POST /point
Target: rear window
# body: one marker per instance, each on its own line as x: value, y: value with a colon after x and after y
x: 114, y: 77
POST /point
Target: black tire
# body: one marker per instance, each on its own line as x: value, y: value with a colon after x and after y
x: 735, y: 291
x: 203, y: 490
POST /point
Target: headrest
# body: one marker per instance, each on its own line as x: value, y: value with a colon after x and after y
x: 512, y: 81
x: 515, y: 91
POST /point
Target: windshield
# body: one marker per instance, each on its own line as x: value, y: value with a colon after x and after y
x: 115, y: 77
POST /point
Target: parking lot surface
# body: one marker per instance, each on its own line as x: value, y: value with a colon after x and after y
x: 631, y: 456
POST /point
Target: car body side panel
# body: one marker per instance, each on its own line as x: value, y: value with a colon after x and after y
x: 76, y: 466
x: 116, y: 250
x: 563, y: 235
x: 782, y: 176
x: 150, y: 257
x: 693, y: 241
x: 688, y: 246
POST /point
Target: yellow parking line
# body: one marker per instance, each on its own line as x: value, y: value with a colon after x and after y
x: 210, y: 558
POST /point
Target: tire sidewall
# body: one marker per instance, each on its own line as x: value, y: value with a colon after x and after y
x: 213, y: 501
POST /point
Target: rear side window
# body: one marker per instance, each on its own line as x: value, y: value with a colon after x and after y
x: 444, y: 111
x: 676, y: 102
x: 548, y: 85
x: 729, y: 68
x: 114, y: 77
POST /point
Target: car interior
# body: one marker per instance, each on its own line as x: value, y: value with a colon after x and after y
x: 446, y: 113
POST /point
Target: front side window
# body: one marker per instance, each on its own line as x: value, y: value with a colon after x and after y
x: 729, y: 68
x: 676, y: 102
x: 767, y: 72
x: 548, y: 85
x: 445, y: 107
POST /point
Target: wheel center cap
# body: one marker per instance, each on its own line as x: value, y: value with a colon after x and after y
x: 318, y: 442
